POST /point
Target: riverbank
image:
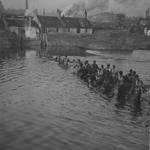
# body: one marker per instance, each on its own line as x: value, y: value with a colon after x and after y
x: 110, y: 40
x: 118, y: 40
x: 102, y: 40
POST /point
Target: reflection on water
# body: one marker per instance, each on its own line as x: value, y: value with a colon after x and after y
x: 43, y: 106
x: 6, y: 54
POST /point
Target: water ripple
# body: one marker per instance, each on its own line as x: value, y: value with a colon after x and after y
x: 43, y: 106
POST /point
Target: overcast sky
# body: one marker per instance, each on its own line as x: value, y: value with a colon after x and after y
x: 129, y: 7
x: 48, y: 4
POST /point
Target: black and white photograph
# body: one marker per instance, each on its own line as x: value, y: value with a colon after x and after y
x: 74, y: 74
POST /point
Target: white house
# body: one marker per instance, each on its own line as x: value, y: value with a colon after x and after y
x: 147, y: 31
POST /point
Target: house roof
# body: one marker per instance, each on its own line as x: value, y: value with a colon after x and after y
x: 48, y: 21
x: 15, y: 22
x: 65, y: 22
x: 71, y: 22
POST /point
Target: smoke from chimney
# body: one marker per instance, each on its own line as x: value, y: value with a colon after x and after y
x: 128, y: 7
x: 72, y: 9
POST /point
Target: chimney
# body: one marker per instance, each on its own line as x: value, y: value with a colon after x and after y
x: 44, y: 12
x: 27, y: 9
x: 85, y: 14
x: 148, y: 13
x: 59, y: 13
x: 27, y: 5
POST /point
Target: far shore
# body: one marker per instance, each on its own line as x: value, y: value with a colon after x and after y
x: 102, y: 40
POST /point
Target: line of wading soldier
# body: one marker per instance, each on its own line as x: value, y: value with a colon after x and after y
x: 108, y: 79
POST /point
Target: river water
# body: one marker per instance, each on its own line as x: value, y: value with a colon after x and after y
x: 44, y: 107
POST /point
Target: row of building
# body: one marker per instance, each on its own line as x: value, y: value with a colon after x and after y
x: 33, y: 25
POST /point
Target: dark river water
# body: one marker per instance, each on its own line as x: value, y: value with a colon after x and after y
x: 44, y: 107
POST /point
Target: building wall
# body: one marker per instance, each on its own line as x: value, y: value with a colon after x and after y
x: 90, y: 30
x: 82, y: 30
x: 73, y: 30
x: 63, y: 30
x: 69, y: 30
x: 19, y: 31
x: 66, y: 30
x: 51, y: 30
x: 31, y: 32
x: 147, y: 31
x: 14, y: 30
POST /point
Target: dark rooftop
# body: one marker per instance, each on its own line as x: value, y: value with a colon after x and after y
x: 48, y: 21
x: 67, y: 22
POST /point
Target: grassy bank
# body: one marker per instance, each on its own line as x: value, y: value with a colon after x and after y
x: 102, y: 40
x: 118, y: 40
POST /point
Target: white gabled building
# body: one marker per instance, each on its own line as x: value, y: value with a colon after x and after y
x: 32, y: 25
x: 147, y: 31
